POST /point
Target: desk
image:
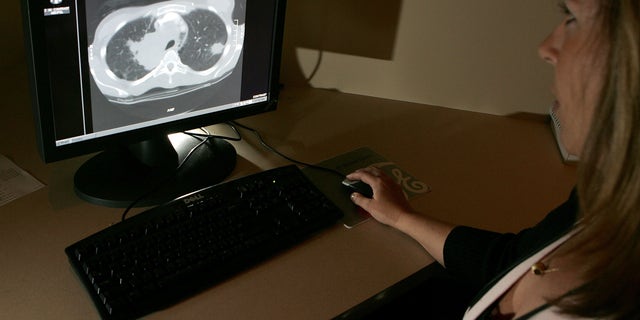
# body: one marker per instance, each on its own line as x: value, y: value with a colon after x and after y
x: 494, y: 172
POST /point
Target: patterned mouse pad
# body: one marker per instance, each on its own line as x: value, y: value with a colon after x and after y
x: 330, y: 184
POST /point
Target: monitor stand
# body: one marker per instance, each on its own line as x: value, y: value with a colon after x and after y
x: 146, y: 171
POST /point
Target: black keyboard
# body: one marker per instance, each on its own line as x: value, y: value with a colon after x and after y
x: 175, y: 250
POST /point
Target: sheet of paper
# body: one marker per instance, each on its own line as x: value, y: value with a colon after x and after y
x: 15, y: 182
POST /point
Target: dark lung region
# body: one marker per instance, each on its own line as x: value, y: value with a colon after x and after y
x: 119, y: 56
x: 206, y: 40
x: 200, y: 46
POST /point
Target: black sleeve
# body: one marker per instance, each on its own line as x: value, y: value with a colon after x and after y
x: 477, y: 256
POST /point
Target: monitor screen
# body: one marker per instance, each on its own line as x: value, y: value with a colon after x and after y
x: 120, y: 75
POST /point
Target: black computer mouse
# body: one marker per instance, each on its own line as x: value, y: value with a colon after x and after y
x: 358, y: 186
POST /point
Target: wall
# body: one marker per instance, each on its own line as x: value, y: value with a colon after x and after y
x: 12, y: 53
x: 473, y: 55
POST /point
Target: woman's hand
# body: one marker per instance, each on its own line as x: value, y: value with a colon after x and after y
x: 390, y: 206
x: 388, y: 203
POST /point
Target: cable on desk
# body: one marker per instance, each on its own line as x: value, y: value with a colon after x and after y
x: 274, y: 150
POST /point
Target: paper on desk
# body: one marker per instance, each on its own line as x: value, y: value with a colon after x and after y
x: 15, y: 182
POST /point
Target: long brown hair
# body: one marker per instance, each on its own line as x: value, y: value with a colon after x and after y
x: 609, y: 179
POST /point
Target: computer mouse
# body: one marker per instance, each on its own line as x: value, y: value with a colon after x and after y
x: 358, y: 186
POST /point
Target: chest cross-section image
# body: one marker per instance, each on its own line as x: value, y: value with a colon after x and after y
x: 164, y: 49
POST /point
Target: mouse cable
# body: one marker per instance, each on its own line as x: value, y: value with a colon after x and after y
x: 204, y: 138
x: 274, y: 150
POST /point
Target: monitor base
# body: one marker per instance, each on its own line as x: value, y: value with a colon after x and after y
x: 147, y: 172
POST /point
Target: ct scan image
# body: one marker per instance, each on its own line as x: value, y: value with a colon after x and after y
x: 153, y: 57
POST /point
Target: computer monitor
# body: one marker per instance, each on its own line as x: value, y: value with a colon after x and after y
x: 119, y: 76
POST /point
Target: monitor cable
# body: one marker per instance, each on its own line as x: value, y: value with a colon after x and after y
x: 274, y: 150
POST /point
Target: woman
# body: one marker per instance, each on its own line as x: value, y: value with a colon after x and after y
x: 583, y: 259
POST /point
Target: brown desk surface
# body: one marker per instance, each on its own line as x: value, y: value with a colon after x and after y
x: 496, y: 172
